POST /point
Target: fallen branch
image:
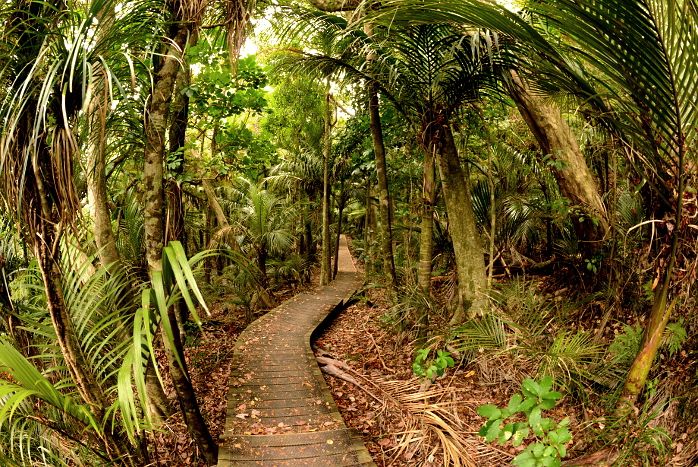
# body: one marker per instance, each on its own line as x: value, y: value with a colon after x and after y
x: 332, y: 361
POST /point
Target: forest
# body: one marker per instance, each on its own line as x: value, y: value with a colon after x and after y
x: 517, y: 181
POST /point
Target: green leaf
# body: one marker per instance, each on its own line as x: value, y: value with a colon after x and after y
x: 525, y: 459
x: 515, y: 402
x: 489, y: 411
x: 520, y: 435
x: 506, y: 433
x: 535, y: 420
x: 530, y: 388
x: 563, y: 435
x: 550, y: 462
x: 492, y: 432
x: 547, y: 424
x: 484, y: 428
x: 528, y: 404
x: 554, y: 395
x: 545, y: 385
x: 538, y: 449
x: 547, y: 404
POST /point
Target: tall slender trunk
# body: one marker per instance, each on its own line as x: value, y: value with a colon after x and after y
x: 661, y: 310
x: 48, y: 224
x: 426, y: 237
x: 341, y: 203
x: 383, y: 192
x: 155, y: 128
x: 325, y: 271
x: 574, y: 178
x: 467, y: 246
x: 97, y: 184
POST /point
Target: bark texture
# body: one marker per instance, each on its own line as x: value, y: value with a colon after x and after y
x: 156, y: 125
x: 467, y: 246
x: 383, y: 191
x: 325, y: 271
x: 96, y: 178
x: 426, y: 237
x: 554, y: 137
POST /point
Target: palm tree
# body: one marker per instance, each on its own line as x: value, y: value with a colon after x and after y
x: 263, y: 223
x: 428, y: 73
x: 646, y: 55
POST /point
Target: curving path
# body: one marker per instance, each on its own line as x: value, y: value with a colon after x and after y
x: 280, y: 412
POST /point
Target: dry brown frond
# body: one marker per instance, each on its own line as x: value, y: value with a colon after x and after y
x: 432, y: 426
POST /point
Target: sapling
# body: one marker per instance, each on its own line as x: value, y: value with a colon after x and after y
x: 524, y: 414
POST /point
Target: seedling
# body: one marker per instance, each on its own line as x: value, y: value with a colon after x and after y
x: 431, y: 369
x: 551, y: 438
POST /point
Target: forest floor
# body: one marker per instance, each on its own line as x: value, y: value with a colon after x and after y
x: 403, y: 422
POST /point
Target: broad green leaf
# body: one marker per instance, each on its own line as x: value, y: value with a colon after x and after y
x: 492, y: 432
x: 520, y: 435
x: 506, y: 433
x: 545, y: 385
x: 554, y: 395
x: 547, y: 424
x: 538, y: 449
x: 535, y: 420
x: 525, y: 459
x: 489, y: 411
x: 547, y: 404
x: 484, y: 428
x: 515, y: 402
x: 528, y: 404
x: 530, y: 388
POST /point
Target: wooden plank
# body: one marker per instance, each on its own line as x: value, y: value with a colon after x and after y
x: 276, y: 376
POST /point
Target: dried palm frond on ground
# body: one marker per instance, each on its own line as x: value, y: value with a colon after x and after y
x: 432, y: 425
x: 410, y: 426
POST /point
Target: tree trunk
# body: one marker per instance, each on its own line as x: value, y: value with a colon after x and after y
x: 325, y: 270
x: 155, y: 128
x: 467, y: 246
x: 383, y: 192
x: 576, y: 182
x: 214, y: 205
x: 97, y: 185
x: 186, y: 396
x: 661, y: 310
x: 341, y: 203
x: 426, y: 237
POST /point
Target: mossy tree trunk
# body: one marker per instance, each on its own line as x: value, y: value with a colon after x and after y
x: 467, y: 245
x: 569, y: 166
x: 156, y: 124
x: 325, y: 266
x: 426, y: 236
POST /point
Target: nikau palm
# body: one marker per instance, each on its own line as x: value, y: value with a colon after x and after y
x: 646, y: 54
x: 428, y: 72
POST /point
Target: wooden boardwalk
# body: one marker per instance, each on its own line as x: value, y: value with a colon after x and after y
x: 280, y: 411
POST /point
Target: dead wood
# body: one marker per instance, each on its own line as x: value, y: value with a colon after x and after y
x: 332, y: 361
x: 332, y: 370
